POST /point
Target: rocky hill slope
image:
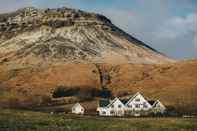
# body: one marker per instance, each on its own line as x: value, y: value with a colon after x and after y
x: 31, y: 36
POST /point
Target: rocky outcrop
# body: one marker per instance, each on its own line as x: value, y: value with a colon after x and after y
x: 35, y: 36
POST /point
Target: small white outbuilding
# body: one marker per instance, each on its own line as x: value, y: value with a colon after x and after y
x: 78, y: 109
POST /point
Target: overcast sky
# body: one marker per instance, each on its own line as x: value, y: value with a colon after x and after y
x: 169, y: 26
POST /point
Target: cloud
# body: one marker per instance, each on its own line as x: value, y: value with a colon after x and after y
x: 177, y: 27
x: 195, y: 40
x: 124, y: 19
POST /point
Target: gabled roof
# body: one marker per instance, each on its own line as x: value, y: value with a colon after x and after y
x: 107, y: 103
x: 104, y: 103
x: 151, y: 102
x: 114, y: 100
x: 158, y: 102
x: 131, y: 98
x: 136, y: 94
x: 155, y: 103
x: 124, y: 101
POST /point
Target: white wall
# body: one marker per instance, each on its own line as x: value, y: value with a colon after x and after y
x: 104, y: 111
x: 115, y: 109
x: 78, y: 110
x: 138, y: 103
x: 159, y: 107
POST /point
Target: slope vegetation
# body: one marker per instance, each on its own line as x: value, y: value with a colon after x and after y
x: 173, y: 84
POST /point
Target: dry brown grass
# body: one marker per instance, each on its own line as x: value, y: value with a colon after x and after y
x: 174, y: 84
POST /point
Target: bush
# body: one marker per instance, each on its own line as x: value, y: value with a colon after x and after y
x: 83, y: 93
x: 172, y: 111
x: 90, y: 93
x: 62, y: 91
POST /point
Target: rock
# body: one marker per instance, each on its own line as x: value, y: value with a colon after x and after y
x: 68, y: 36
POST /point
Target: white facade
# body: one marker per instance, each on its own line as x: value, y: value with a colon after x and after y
x: 158, y: 107
x: 115, y: 108
x: 135, y: 106
x: 78, y: 109
x: 138, y: 103
x: 103, y: 111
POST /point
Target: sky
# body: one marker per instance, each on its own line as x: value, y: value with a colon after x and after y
x: 170, y: 26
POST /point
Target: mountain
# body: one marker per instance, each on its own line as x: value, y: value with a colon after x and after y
x: 33, y: 36
x: 42, y: 50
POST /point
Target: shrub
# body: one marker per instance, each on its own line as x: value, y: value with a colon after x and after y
x: 90, y: 93
x: 105, y: 93
x: 83, y: 93
x: 62, y: 91
x: 172, y: 111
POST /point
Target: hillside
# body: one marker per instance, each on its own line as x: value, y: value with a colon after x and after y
x: 174, y: 84
x: 31, y: 36
x: 84, y: 53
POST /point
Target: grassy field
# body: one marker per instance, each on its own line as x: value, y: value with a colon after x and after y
x: 34, y: 121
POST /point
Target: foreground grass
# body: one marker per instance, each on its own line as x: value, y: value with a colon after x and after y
x: 33, y: 121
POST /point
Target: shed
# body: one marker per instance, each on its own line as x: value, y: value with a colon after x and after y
x: 78, y: 109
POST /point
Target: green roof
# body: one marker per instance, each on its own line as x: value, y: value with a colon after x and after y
x: 104, y: 103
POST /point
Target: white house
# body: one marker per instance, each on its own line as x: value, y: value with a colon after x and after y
x: 111, y: 108
x: 78, y: 109
x: 158, y: 107
x: 137, y: 105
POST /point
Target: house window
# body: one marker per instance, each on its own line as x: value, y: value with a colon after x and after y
x: 137, y: 106
x: 81, y: 109
x: 137, y: 99
x: 103, y: 112
x: 119, y: 106
x: 111, y: 112
x: 112, y: 106
x: 130, y: 106
x: 145, y: 106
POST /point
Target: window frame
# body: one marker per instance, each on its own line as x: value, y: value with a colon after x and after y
x: 103, y: 112
x: 112, y: 112
x: 137, y: 105
x: 137, y: 100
